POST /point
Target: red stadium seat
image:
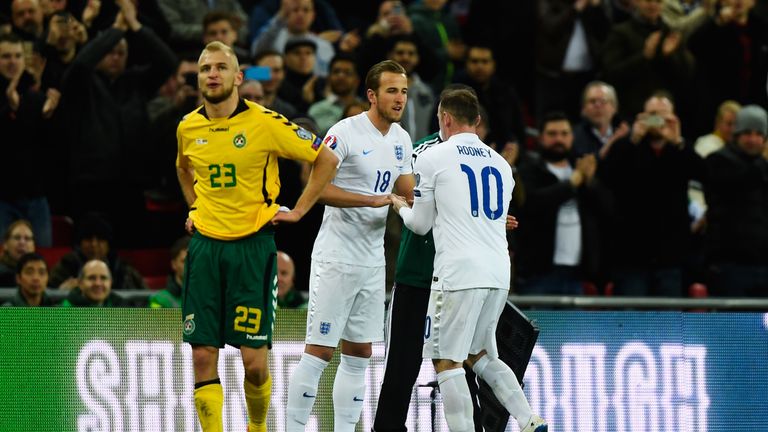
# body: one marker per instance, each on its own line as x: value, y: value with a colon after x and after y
x: 149, y: 262
x: 155, y: 282
x: 63, y: 231
x: 53, y: 255
x: 589, y: 288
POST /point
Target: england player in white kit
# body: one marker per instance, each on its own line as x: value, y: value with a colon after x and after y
x: 347, y: 278
x: 463, y: 190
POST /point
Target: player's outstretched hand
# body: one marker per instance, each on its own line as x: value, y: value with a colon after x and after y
x: 511, y: 222
x: 380, y: 200
x: 285, y: 215
x: 398, y: 202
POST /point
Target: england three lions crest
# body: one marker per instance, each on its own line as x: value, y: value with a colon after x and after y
x: 399, y: 153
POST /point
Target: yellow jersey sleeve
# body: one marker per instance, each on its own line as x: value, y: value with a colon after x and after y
x: 291, y: 141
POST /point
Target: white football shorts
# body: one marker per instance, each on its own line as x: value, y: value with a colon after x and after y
x: 345, y: 302
x: 462, y: 322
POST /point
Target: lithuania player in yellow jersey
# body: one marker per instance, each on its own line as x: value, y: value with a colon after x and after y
x: 227, y: 167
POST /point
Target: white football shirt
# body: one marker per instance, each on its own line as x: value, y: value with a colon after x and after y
x: 467, y: 187
x: 369, y: 164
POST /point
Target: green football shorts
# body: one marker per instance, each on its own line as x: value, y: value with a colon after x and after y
x: 230, y: 290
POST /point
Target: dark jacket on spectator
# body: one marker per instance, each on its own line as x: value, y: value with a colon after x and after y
x: 18, y: 300
x: 585, y: 141
x: 636, y: 77
x: 107, y: 119
x: 728, y: 68
x: 737, y: 215
x: 651, y: 226
x: 291, y: 89
x: 544, y: 194
x: 23, y: 145
x: 557, y: 19
x: 504, y: 110
x: 123, y: 275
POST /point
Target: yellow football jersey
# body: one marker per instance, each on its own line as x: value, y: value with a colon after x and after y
x: 235, y: 165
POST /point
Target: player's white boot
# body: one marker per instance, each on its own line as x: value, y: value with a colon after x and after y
x: 536, y: 424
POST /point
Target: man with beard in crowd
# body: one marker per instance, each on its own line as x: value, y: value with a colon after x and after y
x: 558, y: 242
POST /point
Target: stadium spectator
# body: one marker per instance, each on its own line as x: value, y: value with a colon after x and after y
x: 185, y: 18
x: 224, y: 27
x: 737, y: 194
x: 32, y: 280
x: 499, y: 98
x: 643, y: 55
x: 50, y: 7
x: 417, y: 116
x: 94, y: 242
x: 355, y: 108
x: 731, y: 51
x: 599, y: 127
x: 27, y: 19
x: 64, y: 36
x: 302, y: 86
x: 108, y: 123
x: 253, y: 91
x: 276, y: 64
x: 343, y: 82
x: 94, y: 288
x: 326, y: 22
x: 704, y: 146
x: 725, y: 120
x: 686, y: 16
x: 18, y: 240
x: 170, y: 296
x: 648, y: 173
x: 558, y: 242
x: 287, y: 296
x: 439, y: 31
x: 571, y: 34
x: 6, y: 27
x: 294, y: 21
x: 23, y: 118
x: 177, y: 97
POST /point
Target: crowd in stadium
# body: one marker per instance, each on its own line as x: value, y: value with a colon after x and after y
x: 636, y: 130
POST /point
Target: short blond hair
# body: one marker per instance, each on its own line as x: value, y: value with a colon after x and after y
x: 217, y: 46
x: 728, y: 106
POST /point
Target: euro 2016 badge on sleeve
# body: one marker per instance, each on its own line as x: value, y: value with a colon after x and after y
x: 399, y: 153
x: 330, y: 141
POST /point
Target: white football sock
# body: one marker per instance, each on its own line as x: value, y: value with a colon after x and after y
x: 505, y: 387
x: 302, y: 391
x: 457, y: 402
x: 348, y: 392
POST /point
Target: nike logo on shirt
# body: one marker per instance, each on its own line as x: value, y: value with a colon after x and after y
x: 365, y: 152
x: 308, y: 395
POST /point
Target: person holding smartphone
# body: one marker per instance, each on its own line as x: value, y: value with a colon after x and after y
x: 648, y: 172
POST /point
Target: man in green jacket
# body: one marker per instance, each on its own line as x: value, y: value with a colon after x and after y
x: 94, y: 288
x: 170, y: 296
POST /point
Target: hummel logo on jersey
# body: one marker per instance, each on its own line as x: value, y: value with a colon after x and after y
x: 218, y: 129
x: 308, y: 395
x: 357, y: 399
x: 365, y: 152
